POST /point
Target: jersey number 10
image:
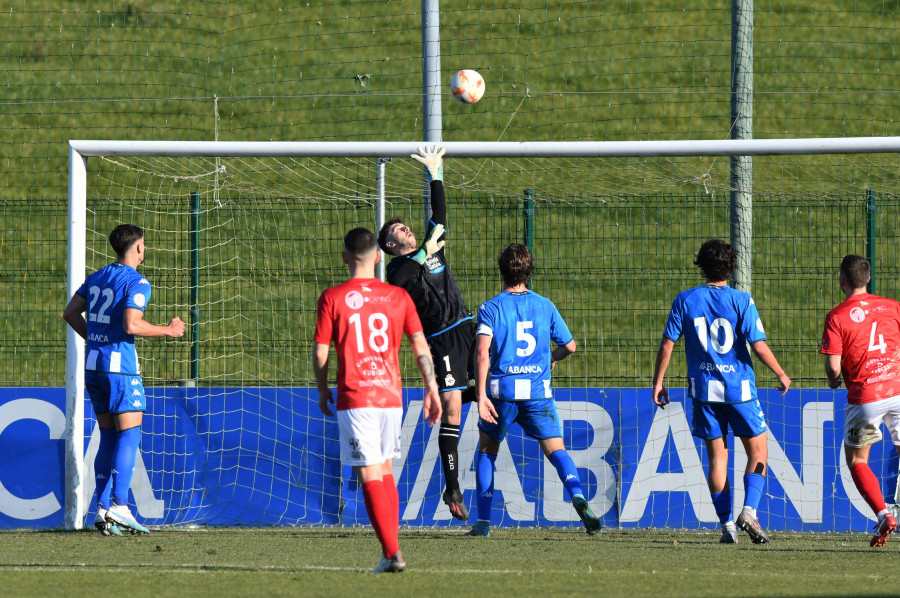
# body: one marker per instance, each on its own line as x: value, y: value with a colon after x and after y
x: 709, y: 335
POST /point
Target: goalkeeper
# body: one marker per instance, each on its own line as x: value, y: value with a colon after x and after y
x: 449, y: 325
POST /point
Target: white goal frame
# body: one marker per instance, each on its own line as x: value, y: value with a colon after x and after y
x: 81, y: 150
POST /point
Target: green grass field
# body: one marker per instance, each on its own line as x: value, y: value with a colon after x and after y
x: 515, y: 562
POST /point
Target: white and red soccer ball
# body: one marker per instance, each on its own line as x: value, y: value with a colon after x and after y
x: 467, y: 86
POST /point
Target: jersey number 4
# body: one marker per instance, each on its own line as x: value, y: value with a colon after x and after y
x: 378, y: 326
x: 881, y: 346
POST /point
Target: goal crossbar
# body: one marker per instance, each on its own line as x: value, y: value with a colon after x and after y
x: 485, y: 149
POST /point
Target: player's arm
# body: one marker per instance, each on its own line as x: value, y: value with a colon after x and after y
x: 134, y: 323
x: 320, y: 370
x: 73, y: 315
x: 833, y: 371
x: 431, y: 409
x: 432, y: 159
x: 663, y: 356
x: 765, y: 355
x: 486, y: 409
x: 561, y: 352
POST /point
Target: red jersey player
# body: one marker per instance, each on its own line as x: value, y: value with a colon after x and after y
x: 366, y: 319
x: 861, y: 342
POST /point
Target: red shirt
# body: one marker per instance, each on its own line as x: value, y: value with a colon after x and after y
x: 366, y: 319
x: 865, y: 331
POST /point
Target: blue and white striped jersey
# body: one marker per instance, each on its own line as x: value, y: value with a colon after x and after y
x: 109, y: 292
x: 521, y: 326
x: 717, y: 323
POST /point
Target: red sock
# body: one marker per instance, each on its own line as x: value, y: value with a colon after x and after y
x: 378, y: 507
x: 868, y: 486
x: 393, y: 498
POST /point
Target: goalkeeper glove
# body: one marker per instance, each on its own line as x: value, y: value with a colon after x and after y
x: 431, y: 245
x: 431, y: 158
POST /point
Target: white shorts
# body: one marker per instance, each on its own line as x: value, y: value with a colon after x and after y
x: 369, y: 435
x: 862, y: 423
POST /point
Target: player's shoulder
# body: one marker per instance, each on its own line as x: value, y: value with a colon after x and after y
x: 399, y: 263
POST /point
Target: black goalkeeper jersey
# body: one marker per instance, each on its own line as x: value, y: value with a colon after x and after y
x: 431, y: 285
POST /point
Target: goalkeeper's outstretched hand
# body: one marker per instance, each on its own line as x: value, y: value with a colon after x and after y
x: 431, y: 244
x: 432, y: 159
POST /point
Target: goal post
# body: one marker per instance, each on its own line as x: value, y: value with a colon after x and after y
x: 615, y: 197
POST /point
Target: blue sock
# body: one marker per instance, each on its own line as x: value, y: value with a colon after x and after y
x: 124, y: 456
x: 567, y: 471
x: 103, y: 465
x: 484, y: 484
x: 754, y: 484
x: 722, y: 503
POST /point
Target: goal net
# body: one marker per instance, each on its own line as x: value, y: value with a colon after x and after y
x: 242, y: 239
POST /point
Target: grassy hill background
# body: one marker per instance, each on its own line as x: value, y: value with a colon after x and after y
x: 614, y: 239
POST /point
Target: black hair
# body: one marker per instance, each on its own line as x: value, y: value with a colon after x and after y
x: 516, y: 264
x: 856, y: 271
x: 123, y: 237
x: 716, y: 260
x: 383, y: 233
x: 359, y: 241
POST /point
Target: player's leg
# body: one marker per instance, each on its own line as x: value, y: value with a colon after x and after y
x: 489, y: 438
x: 488, y: 447
x: 862, y: 430
x: 556, y: 453
x: 448, y: 445
x: 369, y: 439
x: 128, y: 439
x: 754, y: 485
x: 540, y: 420
x: 451, y: 352
x: 749, y: 424
x: 98, y: 390
x: 392, y: 422
x: 379, y: 507
x: 708, y: 424
x: 720, y: 487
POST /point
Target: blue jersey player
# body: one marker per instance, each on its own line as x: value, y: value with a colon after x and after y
x: 114, y: 299
x: 717, y: 323
x: 513, y: 361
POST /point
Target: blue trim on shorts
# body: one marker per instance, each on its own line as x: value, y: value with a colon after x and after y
x: 454, y: 388
x: 450, y: 327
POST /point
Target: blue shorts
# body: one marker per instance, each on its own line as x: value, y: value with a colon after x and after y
x: 538, y: 419
x: 712, y: 420
x: 115, y: 393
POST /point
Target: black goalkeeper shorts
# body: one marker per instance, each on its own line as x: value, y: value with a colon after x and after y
x: 453, y: 352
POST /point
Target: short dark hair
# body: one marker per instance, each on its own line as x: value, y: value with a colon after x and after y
x: 124, y: 236
x: 516, y: 264
x: 359, y: 241
x: 856, y: 270
x: 383, y: 233
x: 716, y: 260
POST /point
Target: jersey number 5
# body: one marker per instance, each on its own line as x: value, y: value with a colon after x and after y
x: 522, y: 335
x: 378, y: 338
x: 710, y: 335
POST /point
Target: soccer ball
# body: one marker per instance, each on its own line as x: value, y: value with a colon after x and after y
x: 467, y: 86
